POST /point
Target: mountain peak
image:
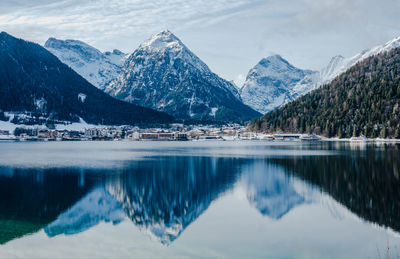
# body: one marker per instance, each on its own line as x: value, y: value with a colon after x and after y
x: 395, y: 43
x: 165, y: 32
x: 4, y: 35
x: 337, y: 57
x: 165, y: 43
x: 57, y: 44
x: 274, y: 61
x: 164, y: 74
x: 163, y: 40
x: 96, y: 67
x: 271, y: 83
x: 275, y: 57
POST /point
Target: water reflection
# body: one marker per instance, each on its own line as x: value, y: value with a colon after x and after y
x: 31, y: 199
x: 271, y: 191
x: 163, y: 195
x: 365, y: 181
x: 97, y: 206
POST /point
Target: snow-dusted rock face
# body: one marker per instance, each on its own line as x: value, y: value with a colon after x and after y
x: 339, y: 64
x: 96, y: 67
x: 271, y: 83
x: 165, y: 75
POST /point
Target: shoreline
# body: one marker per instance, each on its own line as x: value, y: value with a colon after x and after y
x: 230, y: 139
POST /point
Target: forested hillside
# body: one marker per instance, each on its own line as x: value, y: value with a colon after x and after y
x: 363, y: 101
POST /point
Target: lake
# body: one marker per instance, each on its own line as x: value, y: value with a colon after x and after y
x: 209, y: 199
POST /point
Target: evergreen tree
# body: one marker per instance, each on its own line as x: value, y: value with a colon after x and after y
x: 340, y: 135
x: 383, y: 132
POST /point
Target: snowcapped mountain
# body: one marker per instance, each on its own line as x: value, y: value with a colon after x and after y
x: 274, y: 82
x: 271, y: 82
x: 33, y: 81
x: 96, y: 67
x: 339, y: 64
x: 165, y: 75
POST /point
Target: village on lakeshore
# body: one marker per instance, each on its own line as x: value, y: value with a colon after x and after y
x: 174, y: 132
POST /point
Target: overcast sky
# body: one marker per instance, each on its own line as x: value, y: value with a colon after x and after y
x: 230, y: 36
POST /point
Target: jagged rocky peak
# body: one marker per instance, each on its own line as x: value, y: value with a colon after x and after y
x: 339, y: 64
x: 335, y: 60
x: 165, y: 75
x: 272, y: 83
x: 114, y: 52
x: 93, y: 65
x: 392, y: 44
x: 278, y: 67
x: 162, y: 40
x: 166, y: 42
x: 86, y: 51
x: 275, y: 61
x: 327, y: 72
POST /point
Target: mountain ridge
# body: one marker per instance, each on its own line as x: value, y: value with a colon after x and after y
x: 35, y: 81
x: 165, y: 75
x: 272, y: 83
x: 364, y: 100
x: 96, y: 67
x: 265, y: 97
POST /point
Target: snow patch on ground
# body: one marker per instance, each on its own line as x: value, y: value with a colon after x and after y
x: 213, y: 111
x: 40, y: 104
x: 76, y: 126
x: 82, y: 97
x: 6, y: 125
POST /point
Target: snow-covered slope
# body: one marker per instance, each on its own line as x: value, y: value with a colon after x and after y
x: 96, y: 67
x: 339, y: 64
x: 271, y: 83
x: 165, y: 75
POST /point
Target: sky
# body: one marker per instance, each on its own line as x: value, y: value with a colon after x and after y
x: 230, y: 36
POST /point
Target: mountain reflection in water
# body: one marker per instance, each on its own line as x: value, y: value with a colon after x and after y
x: 366, y: 182
x: 163, y: 195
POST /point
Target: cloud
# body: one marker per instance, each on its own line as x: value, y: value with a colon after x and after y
x: 104, y: 19
x: 230, y: 35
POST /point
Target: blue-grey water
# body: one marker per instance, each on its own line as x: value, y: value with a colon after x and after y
x: 199, y: 200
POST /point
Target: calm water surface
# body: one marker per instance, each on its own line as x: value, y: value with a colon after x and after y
x: 199, y: 200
